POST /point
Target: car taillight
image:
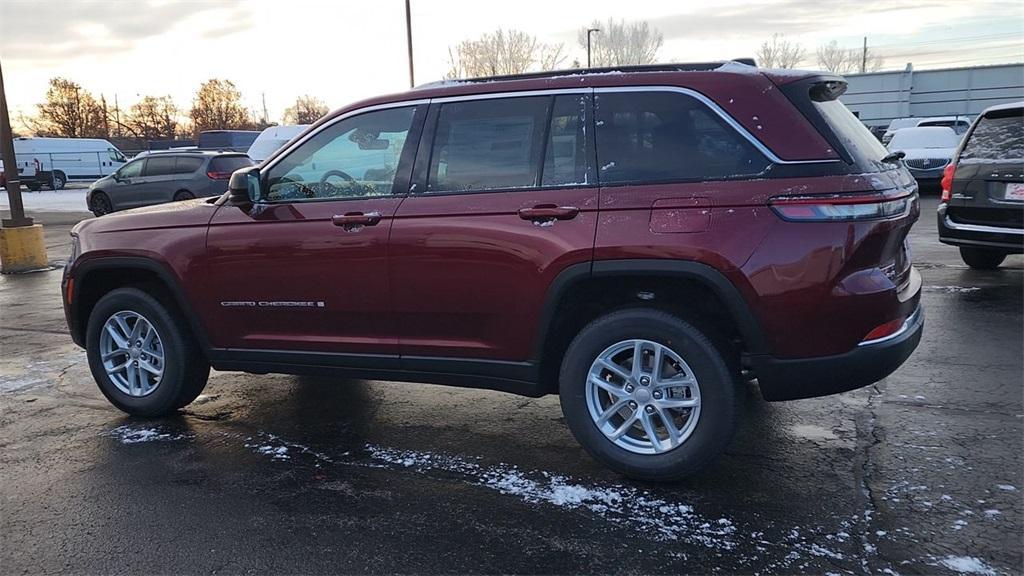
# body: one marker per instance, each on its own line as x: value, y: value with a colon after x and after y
x: 218, y: 175
x: 947, y: 182
x: 839, y: 207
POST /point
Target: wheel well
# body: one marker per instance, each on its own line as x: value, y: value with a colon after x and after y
x: 189, y: 192
x: 97, y: 283
x: 586, y: 300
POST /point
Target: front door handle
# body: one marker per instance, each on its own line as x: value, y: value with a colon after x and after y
x: 356, y: 220
x: 548, y: 213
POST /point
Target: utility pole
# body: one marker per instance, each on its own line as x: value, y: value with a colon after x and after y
x: 263, y: 95
x: 408, y: 40
x: 589, y: 32
x: 22, y: 245
x: 864, y: 57
x: 117, y: 116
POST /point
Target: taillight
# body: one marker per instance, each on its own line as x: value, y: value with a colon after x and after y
x: 839, y: 207
x: 218, y: 175
x: 947, y: 182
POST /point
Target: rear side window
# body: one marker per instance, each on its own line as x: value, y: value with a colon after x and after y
x: 229, y: 163
x: 187, y: 164
x: 159, y: 166
x: 488, y: 144
x: 999, y: 136
x: 668, y: 136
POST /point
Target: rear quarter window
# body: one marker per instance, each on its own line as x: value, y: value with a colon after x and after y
x: 999, y: 136
x: 187, y: 164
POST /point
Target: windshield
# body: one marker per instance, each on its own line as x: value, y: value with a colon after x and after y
x: 931, y: 137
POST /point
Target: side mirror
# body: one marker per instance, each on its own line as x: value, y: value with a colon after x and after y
x: 244, y: 186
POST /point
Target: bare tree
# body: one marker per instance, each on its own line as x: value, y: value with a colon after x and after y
x: 622, y: 43
x: 153, y: 118
x: 839, y: 60
x: 779, y: 52
x: 69, y: 111
x: 218, y: 106
x: 306, y: 110
x: 502, y: 52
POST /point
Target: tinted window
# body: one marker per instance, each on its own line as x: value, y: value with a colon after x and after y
x: 159, y: 165
x: 187, y: 164
x: 132, y: 169
x: 866, y: 151
x: 565, y: 161
x: 998, y: 136
x: 664, y: 136
x: 229, y: 163
x: 356, y: 157
x: 488, y: 144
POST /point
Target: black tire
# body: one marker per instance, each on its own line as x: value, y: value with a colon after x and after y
x: 183, y: 195
x: 717, y: 380
x: 100, y: 204
x: 58, y: 179
x: 982, y: 258
x: 185, y: 369
x: 34, y: 186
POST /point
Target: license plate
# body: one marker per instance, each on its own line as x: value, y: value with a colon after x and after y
x: 1015, y: 192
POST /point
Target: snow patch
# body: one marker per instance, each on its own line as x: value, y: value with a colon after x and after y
x: 953, y: 289
x: 1007, y: 487
x: 130, y: 435
x: 966, y: 565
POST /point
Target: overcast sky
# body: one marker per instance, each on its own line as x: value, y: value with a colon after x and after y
x: 344, y: 50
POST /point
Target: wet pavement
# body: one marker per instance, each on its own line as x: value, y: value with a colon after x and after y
x: 918, y: 474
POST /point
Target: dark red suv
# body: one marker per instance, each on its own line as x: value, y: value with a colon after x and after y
x: 640, y: 241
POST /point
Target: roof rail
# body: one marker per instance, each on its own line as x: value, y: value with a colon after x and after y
x: 671, y: 67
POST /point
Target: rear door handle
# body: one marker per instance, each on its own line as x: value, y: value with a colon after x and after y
x: 548, y: 213
x: 355, y: 220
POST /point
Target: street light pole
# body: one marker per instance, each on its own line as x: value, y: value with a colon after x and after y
x: 13, y: 185
x: 408, y: 40
x: 22, y: 243
x: 589, y: 32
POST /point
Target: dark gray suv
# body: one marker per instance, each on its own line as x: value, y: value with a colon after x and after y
x: 164, y: 177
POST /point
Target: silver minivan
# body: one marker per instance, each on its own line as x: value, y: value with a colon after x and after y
x: 164, y: 177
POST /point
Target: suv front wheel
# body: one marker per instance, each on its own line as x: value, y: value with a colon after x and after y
x: 142, y: 355
x: 648, y: 394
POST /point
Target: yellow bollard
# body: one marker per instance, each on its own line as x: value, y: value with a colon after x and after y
x: 22, y: 249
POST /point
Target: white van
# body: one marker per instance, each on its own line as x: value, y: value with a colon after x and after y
x: 58, y: 160
x: 271, y: 139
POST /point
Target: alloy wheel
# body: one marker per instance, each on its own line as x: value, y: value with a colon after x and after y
x: 132, y: 353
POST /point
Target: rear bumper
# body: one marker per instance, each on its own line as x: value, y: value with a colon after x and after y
x: 959, y: 234
x: 792, y: 379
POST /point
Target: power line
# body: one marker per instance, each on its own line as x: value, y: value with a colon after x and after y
x: 953, y: 40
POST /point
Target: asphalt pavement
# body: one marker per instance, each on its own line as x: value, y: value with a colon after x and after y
x: 920, y: 473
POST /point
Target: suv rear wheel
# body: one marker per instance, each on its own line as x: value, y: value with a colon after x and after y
x: 648, y: 394
x: 142, y: 356
x: 982, y: 258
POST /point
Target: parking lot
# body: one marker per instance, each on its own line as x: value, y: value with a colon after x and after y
x: 920, y: 473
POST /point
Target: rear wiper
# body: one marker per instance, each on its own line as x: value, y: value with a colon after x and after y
x: 894, y: 156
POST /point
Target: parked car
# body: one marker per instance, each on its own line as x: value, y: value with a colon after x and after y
x: 982, y: 206
x: 59, y: 160
x: 162, y: 177
x: 927, y: 151
x: 271, y: 139
x: 959, y: 124
x: 636, y: 240
x: 226, y: 140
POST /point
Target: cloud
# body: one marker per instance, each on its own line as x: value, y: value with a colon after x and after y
x: 53, y: 30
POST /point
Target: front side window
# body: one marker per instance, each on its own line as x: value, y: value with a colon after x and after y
x: 488, y: 144
x: 115, y: 155
x: 132, y: 169
x: 999, y: 135
x: 355, y: 158
x: 666, y: 136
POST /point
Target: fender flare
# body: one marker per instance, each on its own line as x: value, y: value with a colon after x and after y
x: 710, y: 277
x: 162, y: 271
